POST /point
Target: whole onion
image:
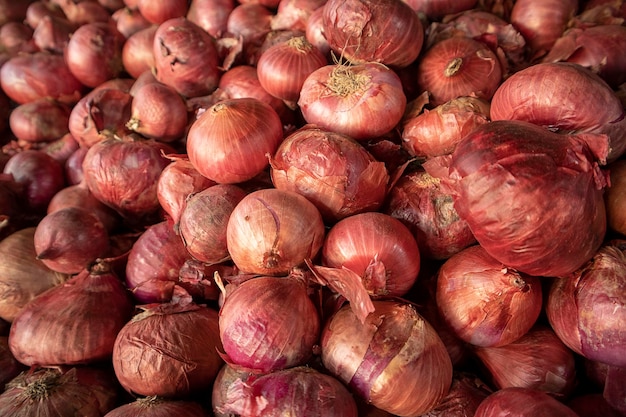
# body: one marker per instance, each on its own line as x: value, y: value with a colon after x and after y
x: 17, y: 37
x: 204, y: 219
x: 158, y: 407
x: 537, y: 360
x: 294, y: 14
x: 484, y: 302
x: 295, y: 391
x: 38, y: 10
x: 169, y: 350
x: 563, y: 97
x: 61, y: 148
x: 22, y: 275
x: 522, y: 402
x: 421, y: 202
x: 597, y: 286
x: 94, y: 53
x: 162, y: 11
x: 225, y: 378
x: 314, y: 31
x: 230, y: 141
x: 211, y: 15
x: 74, y: 166
x: 129, y: 21
x: 437, y: 9
x: 332, y: 170
x: 615, y: 197
x: 386, y: 31
x: 271, y: 231
x: 88, y: 391
x: 269, y: 323
x: 137, y: 55
x: 13, y: 11
x: 501, y: 175
x: 186, y: 57
x: 394, y: 360
x: 250, y: 23
x: 70, y: 324
x: 456, y: 67
x: 363, y: 101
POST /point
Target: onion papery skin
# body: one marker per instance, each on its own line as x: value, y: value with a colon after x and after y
x: 45, y: 331
x: 269, y: 323
x: 137, y: 54
x: 522, y: 402
x: 457, y: 67
x: 465, y: 395
x: 420, y: 202
x: 158, y: 407
x: 314, y: 31
x: 362, y: 101
x: 283, y: 68
x: 211, y: 15
x: 70, y: 239
x: 563, y: 97
x: 204, y: 219
x: 123, y: 174
x: 249, y: 23
x: 484, y: 302
x: 615, y: 197
x: 354, y: 30
x: 599, y: 287
x: 332, y: 170
x: 88, y: 391
x: 394, y: 361
x: 301, y: 391
x: 40, y: 120
x: 225, y: 378
x: 169, y: 350
x: 154, y: 263
x: 537, y: 360
x: 520, y: 163
x: 28, y: 77
x: 378, y: 248
x: 22, y: 275
x: 230, y: 141
x: 186, y: 57
x: 437, y: 9
x: 436, y: 131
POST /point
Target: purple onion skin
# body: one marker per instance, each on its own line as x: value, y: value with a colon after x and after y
x: 522, y: 402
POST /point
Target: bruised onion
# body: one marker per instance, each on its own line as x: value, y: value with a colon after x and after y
x: 484, y: 302
x: 269, y: 323
x: 271, y: 231
x: 394, y: 360
x: 522, y: 402
x: 40, y: 120
x: 45, y: 331
x: 598, y: 286
x: 502, y: 174
x: 169, y: 350
x: 615, y: 197
x: 333, y: 171
x: 314, y: 31
x: 230, y: 141
x: 154, y: 406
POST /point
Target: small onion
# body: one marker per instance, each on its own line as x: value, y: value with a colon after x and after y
x: 615, y: 197
x: 82, y: 13
x: 522, y: 402
x: 40, y: 120
x: 437, y: 9
x: 333, y: 171
x: 229, y: 142
x: 61, y: 148
x: 37, y: 10
x: 158, y: 407
x: 46, y: 331
x: 395, y: 360
x: 74, y: 165
x: 225, y: 378
x: 484, y: 302
x: 363, y: 101
x: 466, y: 393
x: 250, y: 23
x: 269, y: 323
x: 17, y: 37
x: 211, y: 15
x: 137, y: 54
x: 13, y: 11
x: 162, y: 11
x: 314, y: 31
x: 129, y: 21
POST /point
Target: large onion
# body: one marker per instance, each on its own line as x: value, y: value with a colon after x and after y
x: 522, y: 402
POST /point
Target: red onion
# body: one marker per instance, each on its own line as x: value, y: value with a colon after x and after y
x: 484, y: 302
x: 614, y: 391
x: 437, y: 9
x: 38, y: 10
x: 211, y: 15
x: 158, y: 112
x: 87, y: 391
x: 137, y: 54
x: 395, y: 360
x: 169, y: 350
x: 9, y: 366
x: 154, y: 263
x: 542, y: 22
x: 129, y: 21
x: 177, y: 182
x: 520, y: 163
x: 386, y: 31
x: 466, y: 393
x: 250, y: 23
x: 269, y: 323
x: 225, y: 378
x: 41, y: 120
x: 162, y: 11
x: 456, y: 67
x: 74, y: 165
x: 314, y: 31
x: 52, y: 34
x: 186, y: 57
x: 229, y: 142
x: 537, y: 360
x: 198, y: 279
x: 94, y: 53
x: 28, y: 77
x: 158, y: 407
x: 203, y: 221
x: 564, y: 97
x: 362, y: 101
x: 615, y: 197
x: 123, y: 174
x: 45, y: 332
x: 22, y: 275
x: 597, y: 286
x: 332, y: 170
x: 61, y: 148
x: 294, y: 14
x: 85, y: 12
x: 11, y: 11
x: 17, y: 37
x: 427, y: 209
x: 522, y: 402
x: 294, y: 391
x: 592, y: 405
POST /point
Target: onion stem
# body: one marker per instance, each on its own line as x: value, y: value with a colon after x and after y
x: 344, y: 82
x: 453, y: 67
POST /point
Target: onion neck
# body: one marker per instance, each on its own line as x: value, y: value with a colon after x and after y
x: 344, y: 82
x: 453, y: 67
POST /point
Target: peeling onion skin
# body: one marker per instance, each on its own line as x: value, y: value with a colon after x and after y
x: 522, y: 402
x: 485, y: 303
x: 598, y: 287
x: 395, y: 360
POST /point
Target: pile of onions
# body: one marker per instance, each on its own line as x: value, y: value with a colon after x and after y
x: 154, y: 406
